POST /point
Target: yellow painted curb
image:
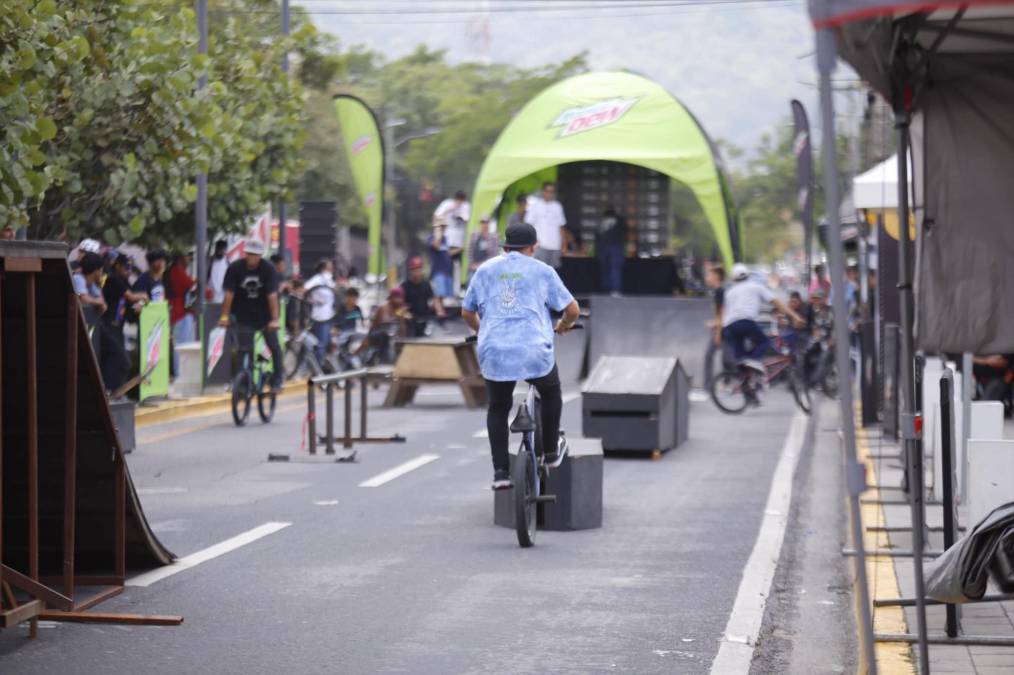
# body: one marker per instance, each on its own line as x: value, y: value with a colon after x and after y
x: 893, y: 658
x: 174, y: 410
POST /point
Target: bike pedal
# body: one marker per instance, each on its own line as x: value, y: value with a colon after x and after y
x: 546, y: 499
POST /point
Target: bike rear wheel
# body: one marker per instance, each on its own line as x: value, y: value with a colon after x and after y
x: 728, y: 391
x: 525, y: 506
x: 800, y: 390
x: 242, y: 385
x: 266, y: 399
x: 293, y: 359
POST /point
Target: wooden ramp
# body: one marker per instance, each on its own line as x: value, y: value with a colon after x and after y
x: 71, y: 524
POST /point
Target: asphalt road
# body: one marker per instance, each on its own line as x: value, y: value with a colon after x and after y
x: 412, y: 576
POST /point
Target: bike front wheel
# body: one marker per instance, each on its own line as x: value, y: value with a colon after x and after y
x: 800, y: 390
x: 525, y: 506
x: 242, y: 386
x: 266, y: 399
x: 728, y: 391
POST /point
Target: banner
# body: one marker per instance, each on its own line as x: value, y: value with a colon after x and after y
x: 153, y: 345
x: 364, y: 149
x: 802, y: 148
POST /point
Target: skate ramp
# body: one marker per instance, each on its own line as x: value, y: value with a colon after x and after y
x: 651, y: 326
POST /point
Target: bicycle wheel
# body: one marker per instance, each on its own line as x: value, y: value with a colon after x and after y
x: 292, y: 360
x: 266, y: 399
x: 524, y: 497
x: 829, y: 380
x: 800, y: 391
x: 242, y: 386
x: 728, y: 392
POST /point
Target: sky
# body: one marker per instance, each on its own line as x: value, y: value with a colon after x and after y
x: 735, y: 65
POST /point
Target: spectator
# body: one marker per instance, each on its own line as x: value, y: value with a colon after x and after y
x: 454, y: 213
x: 819, y: 280
x: 150, y: 283
x: 216, y: 271
x: 294, y: 312
x: 284, y: 285
x: 422, y: 303
x: 441, y: 265
x: 180, y: 291
x: 715, y: 280
x: 118, y: 297
x: 350, y: 315
x: 610, y: 248
x: 319, y: 293
x: 546, y: 215
x: 7, y: 233
x: 86, y: 286
x: 484, y: 245
x: 392, y: 317
x: 520, y: 210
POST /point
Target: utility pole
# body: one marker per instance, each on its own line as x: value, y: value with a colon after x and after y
x: 201, y: 208
x: 282, y: 210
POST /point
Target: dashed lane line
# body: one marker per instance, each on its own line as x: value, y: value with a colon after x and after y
x: 210, y: 553
x: 400, y: 470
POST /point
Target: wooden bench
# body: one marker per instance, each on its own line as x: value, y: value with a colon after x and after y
x: 436, y: 361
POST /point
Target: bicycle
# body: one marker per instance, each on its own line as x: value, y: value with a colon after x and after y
x: 252, y: 379
x: 300, y: 356
x: 531, y: 471
x: 734, y: 389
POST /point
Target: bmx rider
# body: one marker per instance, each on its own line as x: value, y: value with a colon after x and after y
x: 508, y: 304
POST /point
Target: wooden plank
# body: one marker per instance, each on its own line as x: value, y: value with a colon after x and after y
x: 23, y: 264
x: 106, y: 617
x: 30, y: 610
x: 95, y: 599
x: 422, y: 361
x: 70, y: 447
x: 35, y: 589
x: 33, y: 427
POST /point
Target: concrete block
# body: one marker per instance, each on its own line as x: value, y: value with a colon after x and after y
x: 990, y: 476
x: 188, y: 379
x: 577, y: 484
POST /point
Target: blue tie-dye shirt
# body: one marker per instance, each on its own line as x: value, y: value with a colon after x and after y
x: 513, y: 294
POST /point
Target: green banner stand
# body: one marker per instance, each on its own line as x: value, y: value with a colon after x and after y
x: 153, y: 345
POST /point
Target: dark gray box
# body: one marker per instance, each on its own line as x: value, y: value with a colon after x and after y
x: 577, y: 484
x: 637, y: 403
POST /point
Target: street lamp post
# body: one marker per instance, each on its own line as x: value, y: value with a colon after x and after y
x: 282, y: 207
x: 201, y: 207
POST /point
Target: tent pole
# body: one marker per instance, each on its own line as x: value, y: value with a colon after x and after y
x: 913, y: 447
x: 854, y: 471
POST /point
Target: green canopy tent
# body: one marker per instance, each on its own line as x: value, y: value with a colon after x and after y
x: 616, y: 117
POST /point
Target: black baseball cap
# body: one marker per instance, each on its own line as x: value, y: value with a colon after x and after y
x: 520, y: 235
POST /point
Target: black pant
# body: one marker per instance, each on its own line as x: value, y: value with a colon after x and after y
x: 112, y: 355
x: 500, y: 403
x: 245, y: 334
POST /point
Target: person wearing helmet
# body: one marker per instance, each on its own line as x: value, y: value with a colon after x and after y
x: 508, y: 304
x: 251, y: 294
x: 744, y: 301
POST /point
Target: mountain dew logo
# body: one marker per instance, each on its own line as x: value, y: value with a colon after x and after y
x: 585, y: 118
x: 361, y: 143
x: 371, y: 199
x: 153, y: 347
x: 216, y: 347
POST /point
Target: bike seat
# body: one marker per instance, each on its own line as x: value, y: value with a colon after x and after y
x: 523, y: 422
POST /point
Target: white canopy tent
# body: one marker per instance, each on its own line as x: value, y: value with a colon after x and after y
x: 878, y: 187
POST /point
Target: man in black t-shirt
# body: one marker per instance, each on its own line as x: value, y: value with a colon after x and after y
x: 422, y: 302
x: 120, y: 302
x: 251, y: 294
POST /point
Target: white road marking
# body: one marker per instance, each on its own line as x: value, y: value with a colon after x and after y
x: 326, y: 502
x: 698, y: 396
x: 572, y: 396
x: 735, y: 651
x: 162, y: 490
x: 481, y: 433
x: 194, y: 559
x: 399, y: 470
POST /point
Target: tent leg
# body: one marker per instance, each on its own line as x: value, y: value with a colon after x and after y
x: 913, y: 447
x: 854, y: 471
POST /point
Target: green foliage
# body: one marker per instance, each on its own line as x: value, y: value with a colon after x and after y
x: 102, y: 126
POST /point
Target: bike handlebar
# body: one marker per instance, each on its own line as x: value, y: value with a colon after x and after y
x: 475, y: 338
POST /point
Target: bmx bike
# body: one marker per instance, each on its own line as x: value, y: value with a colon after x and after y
x: 734, y: 389
x: 252, y: 379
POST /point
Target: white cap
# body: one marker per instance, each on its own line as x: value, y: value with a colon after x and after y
x: 740, y: 272
x: 89, y: 245
x: 253, y: 246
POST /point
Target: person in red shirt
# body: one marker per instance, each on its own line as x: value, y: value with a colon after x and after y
x: 180, y: 290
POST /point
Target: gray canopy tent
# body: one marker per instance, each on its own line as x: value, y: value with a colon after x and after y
x: 947, y: 68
